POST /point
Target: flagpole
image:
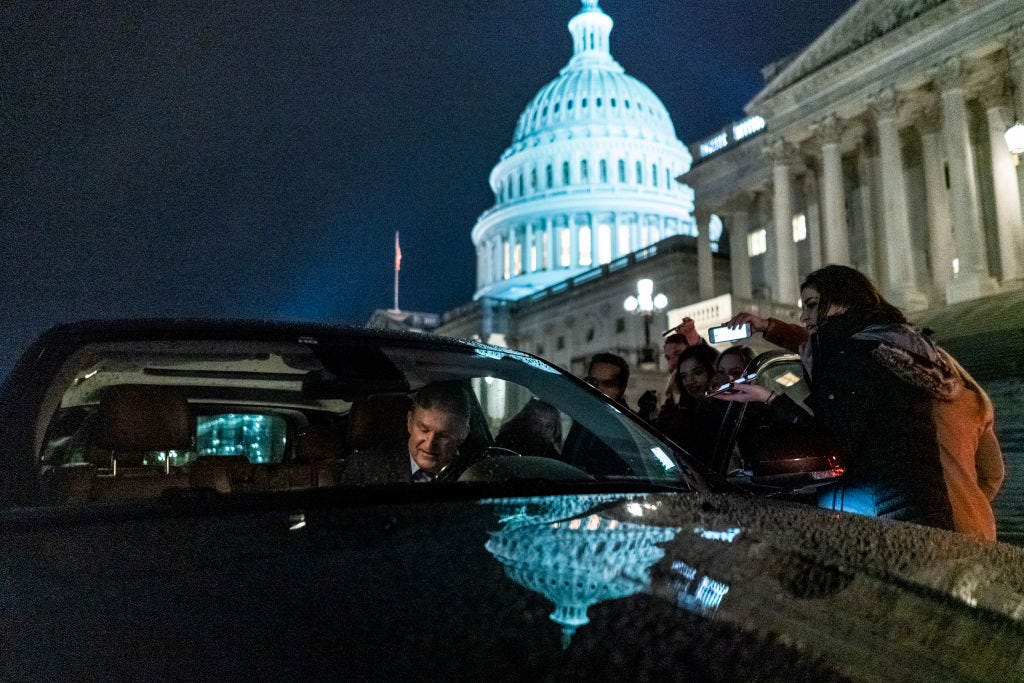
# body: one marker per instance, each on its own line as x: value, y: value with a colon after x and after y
x: 398, y: 266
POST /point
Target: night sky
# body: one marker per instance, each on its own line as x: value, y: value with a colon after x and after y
x: 253, y: 159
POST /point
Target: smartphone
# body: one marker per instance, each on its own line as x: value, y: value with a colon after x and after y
x: 727, y: 387
x: 720, y: 334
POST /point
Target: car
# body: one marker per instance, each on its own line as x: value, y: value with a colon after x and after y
x: 175, y: 505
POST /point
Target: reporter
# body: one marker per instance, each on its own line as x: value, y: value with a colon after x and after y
x: 883, y: 424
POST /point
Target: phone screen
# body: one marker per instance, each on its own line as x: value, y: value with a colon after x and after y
x: 726, y: 334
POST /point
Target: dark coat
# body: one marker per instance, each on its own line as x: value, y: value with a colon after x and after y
x: 883, y: 425
x: 382, y: 465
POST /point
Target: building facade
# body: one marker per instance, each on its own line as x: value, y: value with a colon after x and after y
x: 883, y: 148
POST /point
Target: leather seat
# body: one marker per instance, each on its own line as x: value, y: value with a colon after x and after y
x: 133, y: 421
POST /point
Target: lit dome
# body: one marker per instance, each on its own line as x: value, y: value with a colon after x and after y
x: 589, y: 177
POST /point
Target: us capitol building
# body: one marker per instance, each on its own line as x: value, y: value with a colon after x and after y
x: 586, y: 202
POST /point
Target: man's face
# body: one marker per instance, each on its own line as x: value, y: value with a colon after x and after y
x: 435, y: 437
x: 672, y: 351
x: 605, y: 378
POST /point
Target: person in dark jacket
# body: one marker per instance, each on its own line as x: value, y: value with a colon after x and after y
x: 693, y: 420
x: 884, y: 425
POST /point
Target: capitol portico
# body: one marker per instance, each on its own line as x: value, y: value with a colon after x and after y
x: 883, y: 149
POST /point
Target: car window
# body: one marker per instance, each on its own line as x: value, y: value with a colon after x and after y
x: 124, y: 421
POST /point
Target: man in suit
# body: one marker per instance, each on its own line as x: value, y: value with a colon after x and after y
x: 438, y: 423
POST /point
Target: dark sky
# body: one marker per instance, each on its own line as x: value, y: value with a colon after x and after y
x: 254, y: 158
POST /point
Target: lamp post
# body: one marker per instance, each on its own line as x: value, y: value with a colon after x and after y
x: 645, y: 304
x: 1014, y: 137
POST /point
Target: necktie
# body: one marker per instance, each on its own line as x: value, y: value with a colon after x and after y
x: 422, y: 475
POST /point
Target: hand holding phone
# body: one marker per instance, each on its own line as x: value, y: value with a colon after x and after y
x: 728, y: 387
x: 724, y: 333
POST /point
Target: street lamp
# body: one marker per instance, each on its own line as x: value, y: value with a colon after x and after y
x: 1014, y: 136
x: 645, y: 304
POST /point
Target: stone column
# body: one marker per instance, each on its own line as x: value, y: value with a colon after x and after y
x: 594, y: 260
x: 940, y: 227
x: 973, y: 280
x: 528, y: 245
x: 812, y: 216
x: 574, y: 242
x: 866, y: 197
x: 739, y: 259
x: 551, y: 254
x: 782, y: 248
x: 634, y: 233
x: 900, y: 282
x: 513, y: 241
x: 836, y: 233
x: 1004, y: 181
x: 1015, y: 50
x: 496, y: 272
x: 705, y: 271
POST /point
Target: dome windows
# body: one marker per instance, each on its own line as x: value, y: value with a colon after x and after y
x: 583, y: 103
x: 584, y: 171
x: 654, y: 174
x: 603, y: 170
x: 622, y: 170
x: 549, y: 176
x: 557, y: 105
x: 613, y: 101
x: 598, y: 101
x: 626, y: 102
x: 639, y: 173
x: 565, y: 172
x: 568, y: 105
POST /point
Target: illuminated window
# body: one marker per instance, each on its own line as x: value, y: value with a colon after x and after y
x: 544, y: 260
x: 533, y: 256
x: 565, y: 172
x: 603, y: 166
x: 517, y: 259
x: 623, y: 231
x: 622, y: 170
x: 714, y: 144
x: 747, y: 127
x: 799, y: 227
x: 260, y: 438
x: 564, y: 247
x: 757, y: 242
x: 584, y: 236
x: 604, y: 243
x: 507, y: 265
x: 549, y: 176
x: 639, y: 173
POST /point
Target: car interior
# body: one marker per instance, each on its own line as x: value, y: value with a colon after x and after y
x: 129, y: 421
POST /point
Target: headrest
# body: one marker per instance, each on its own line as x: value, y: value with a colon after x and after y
x: 319, y: 442
x: 138, y: 417
x: 378, y: 420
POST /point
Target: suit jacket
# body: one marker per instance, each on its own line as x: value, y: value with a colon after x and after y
x: 378, y: 465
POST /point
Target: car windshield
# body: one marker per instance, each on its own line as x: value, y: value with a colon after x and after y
x: 128, y: 420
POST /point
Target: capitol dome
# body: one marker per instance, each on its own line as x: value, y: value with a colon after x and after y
x: 589, y: 177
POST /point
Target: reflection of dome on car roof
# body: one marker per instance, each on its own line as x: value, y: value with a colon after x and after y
x: 589, y: 177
